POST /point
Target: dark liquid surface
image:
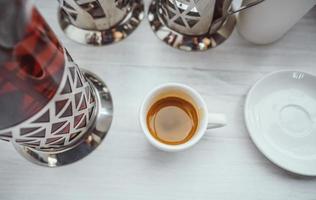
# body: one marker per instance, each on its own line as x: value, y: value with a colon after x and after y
x: 172, y: 120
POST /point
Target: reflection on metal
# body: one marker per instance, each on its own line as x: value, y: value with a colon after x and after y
x: 99, y: 22
x: 185, y: 24
x: 88, y: 141
x: 189, y: 17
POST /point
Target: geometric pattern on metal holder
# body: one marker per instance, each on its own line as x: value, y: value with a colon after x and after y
x: 182, y: 13
x: 63, y: 120
x: 93, y: 7
x: 93, y: 14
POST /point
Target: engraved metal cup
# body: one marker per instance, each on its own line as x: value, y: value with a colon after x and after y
x: 53, y: 112
x: 99, y: 22
x: 194, y: 24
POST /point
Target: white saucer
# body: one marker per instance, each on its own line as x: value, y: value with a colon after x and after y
x: 280, y: 114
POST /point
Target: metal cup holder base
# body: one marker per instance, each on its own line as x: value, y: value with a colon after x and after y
x: 188, y: 42
x: 90, y: 140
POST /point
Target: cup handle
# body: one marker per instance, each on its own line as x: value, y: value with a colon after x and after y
x: 216, y: 120
x: 248, y: 5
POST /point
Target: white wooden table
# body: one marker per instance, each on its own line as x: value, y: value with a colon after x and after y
x: 224, y: 165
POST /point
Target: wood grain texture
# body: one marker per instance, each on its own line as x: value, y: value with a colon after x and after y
x: 224, y: 165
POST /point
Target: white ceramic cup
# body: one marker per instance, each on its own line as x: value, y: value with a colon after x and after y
x: 206, y: 120
x: 270, y: 20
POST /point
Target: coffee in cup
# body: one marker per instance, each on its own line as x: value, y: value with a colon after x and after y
x: 175, y: 117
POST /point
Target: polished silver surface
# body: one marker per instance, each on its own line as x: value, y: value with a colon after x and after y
x: 189, y: 17
x: 187, y: 42
x: 91, y: 138
x: 99, y: 22
x: 193, y: 25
